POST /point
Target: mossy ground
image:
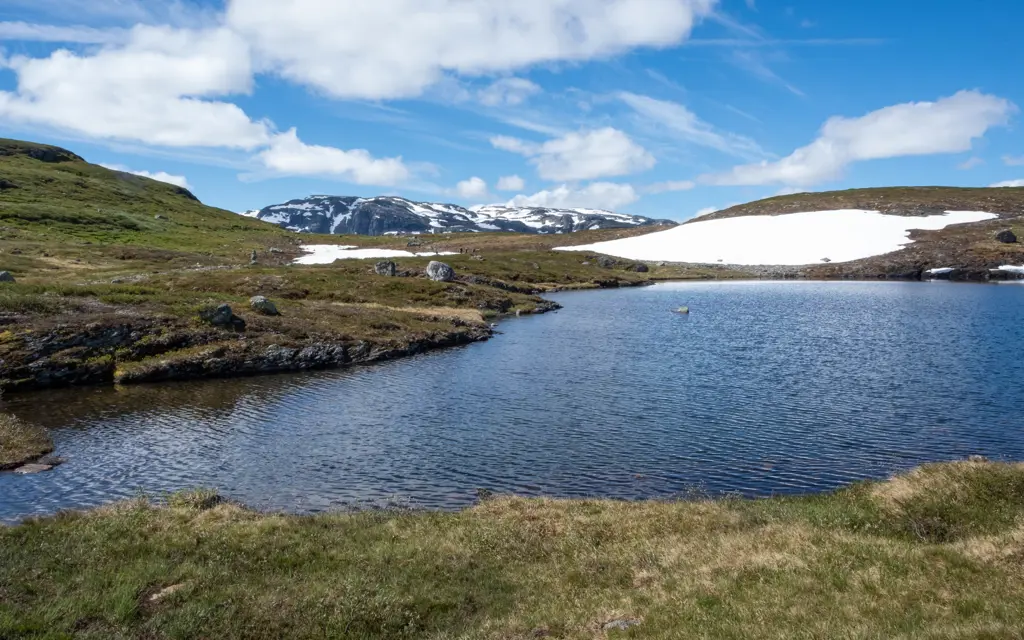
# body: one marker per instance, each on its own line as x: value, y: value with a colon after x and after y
x: 21, y: 442
x: 933, y: 554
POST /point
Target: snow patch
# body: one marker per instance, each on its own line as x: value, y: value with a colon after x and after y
x: 792, y: 239
x: 1009, y: 268
x: 940, y: 271
x: 328, y: 253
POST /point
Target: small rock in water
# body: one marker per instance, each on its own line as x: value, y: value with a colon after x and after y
x: 440, y: 272
x: 1006, y: 236
x: 35, y: 467
x: 5, y: 276
x: 683, y: 310
x: 261, y: 305
x: 385, y: 268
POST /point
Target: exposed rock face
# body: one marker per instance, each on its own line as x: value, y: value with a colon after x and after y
x: 222, y: 316
x: 1007, y: 236
x: 385, y: 268
x: 440, y: 272
x: 606, y: 263
x: 5, y: 276
x: 260, y: 304
x: 390, y: 215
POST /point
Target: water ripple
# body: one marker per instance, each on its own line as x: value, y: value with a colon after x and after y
x: 766, y: 388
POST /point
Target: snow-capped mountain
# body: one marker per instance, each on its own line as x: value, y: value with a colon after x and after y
x: 390, y: 215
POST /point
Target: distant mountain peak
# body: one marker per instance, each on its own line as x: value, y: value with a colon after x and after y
x: 390, y: 215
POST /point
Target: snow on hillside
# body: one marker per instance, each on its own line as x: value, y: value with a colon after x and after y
x: 784, y: 240
x: 391, y: 215
x: 328, y: 253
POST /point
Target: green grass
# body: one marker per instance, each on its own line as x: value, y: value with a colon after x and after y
x: 852, y: 564
x: 21, y: 442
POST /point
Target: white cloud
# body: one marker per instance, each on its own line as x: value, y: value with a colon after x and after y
x: 706, y: 211
x: 583, y: 155
x: 1013, y: 161
x: 1008, y: 183
x: 27, y: 32
x: 949, y: 125
x: 970, y: 163
x: 511, y: 183
x: 474, y: 188
x: 151, y: 90
x: 597, y: 195
x: 508, y: 92
x: 287, y: 155
x: 397, y: 48
x: 679, y: 121
x: 162, y: 176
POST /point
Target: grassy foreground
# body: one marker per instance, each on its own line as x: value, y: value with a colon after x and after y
x: 936, y: 553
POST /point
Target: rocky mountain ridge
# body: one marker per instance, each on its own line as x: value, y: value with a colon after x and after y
x: 389, y: 215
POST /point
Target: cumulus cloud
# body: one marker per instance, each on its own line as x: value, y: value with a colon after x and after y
x: 473, y: 188
x: 287, y: 155
x: 949, y: 125
x: 511, y: 183
x: 583, y: 155
x: 597, y: 195
x: 678, y: 121
x: 162, y: 176
x: 397, y: 48
x: 156, y: 89
x: 508, y: 92
x: 1008, y: 183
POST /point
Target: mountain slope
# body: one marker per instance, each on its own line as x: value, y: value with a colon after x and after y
x: 390, y: 215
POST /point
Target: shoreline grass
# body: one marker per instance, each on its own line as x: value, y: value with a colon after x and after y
x: 21, y: 442
x: 935, y: 553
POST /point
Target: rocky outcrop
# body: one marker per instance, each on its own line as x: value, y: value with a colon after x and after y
x: 1006, y: 236
x: 261, y: 304
x: 606, y: 263
x: 385, y: 268
x: 440, y: 272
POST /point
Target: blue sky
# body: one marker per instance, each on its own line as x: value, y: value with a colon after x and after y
x: 656, y: 107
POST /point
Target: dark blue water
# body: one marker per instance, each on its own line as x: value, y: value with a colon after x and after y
x: 765, y: 388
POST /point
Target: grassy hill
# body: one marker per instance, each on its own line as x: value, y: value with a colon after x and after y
x: 112, y: 271
x: 971, y: 248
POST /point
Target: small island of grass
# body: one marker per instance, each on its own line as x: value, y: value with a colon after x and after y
x: 21, y: 442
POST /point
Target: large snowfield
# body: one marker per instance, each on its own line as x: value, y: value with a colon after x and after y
x: 328, y: 253
x: 790, y: 240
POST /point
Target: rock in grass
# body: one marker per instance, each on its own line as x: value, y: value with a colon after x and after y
x: 1006, y: 236
x: 7, y: 184
x: 606, y: 263
x: 260, y: 304
x: 5, y: 276
x: 440, y: 272
x: 222, y: 316
x: 385, y: 268
x: 641, y: 268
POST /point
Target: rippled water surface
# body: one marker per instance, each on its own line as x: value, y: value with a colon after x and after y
x: 765, y: 388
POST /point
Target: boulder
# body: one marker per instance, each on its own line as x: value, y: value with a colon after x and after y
x: 641, y: 268
x: 1007, y: 236
x: 252, y: 257
x: 260, y: 304
x: 222, y: 316
x: 5, y: 276
x: 385, y: 268
x: 7, y: 184
x: 606, y: 263
x: 440, y: 272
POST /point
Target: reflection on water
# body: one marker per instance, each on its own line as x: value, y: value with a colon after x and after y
x: 765, y: 388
